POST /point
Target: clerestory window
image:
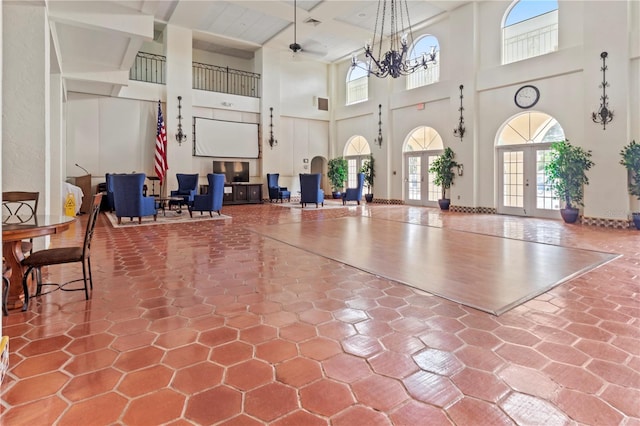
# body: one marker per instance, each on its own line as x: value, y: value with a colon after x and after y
x: 529, y: 29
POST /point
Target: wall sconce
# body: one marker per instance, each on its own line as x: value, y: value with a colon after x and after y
x: 604, y: 114
x: 272, y: 141
x: 460, y: 169
x: 378, y: 139
x: 180, y: 136
x: 459, y: 131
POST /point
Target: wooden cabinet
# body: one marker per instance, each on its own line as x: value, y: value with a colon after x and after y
x: 239, y: 193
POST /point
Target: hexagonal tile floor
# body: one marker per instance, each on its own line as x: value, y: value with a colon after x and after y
x: 210, y: 323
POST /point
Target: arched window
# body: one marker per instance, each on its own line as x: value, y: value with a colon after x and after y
x: 356, y: 152
x: 425, y: 45
x: 529, y: 29
x: 421, y: 148
x: 357, y: 84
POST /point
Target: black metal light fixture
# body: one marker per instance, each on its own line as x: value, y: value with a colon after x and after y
x: 180, y: 136
x: 378, y: 139
x: 459, y: 131
x: 604, y: 115
x: 272, y: 141
x: 394, y: 62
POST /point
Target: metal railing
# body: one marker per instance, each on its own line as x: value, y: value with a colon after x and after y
x: 214, y: 78
x: 149, y: 68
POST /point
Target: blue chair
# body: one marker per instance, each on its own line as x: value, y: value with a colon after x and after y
x: 277, y: 192
x: 310, y: 191
x: 212, y: 201
x: 187, y: 189
x: 354, y: 194
x: 109, y: 204
x: 128, y: 199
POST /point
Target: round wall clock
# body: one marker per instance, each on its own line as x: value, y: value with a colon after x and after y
x: 527, y: 96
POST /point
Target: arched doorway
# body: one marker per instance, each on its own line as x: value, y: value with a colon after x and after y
x: 421, y: 148
x: 356, y: 152
x: 523, y: 149
x: 319, y: 165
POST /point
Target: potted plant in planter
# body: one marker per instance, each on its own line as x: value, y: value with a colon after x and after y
x: 442, y: 167
x: 337, y: 174
x: 566, y: 173
x: 631, y: 160
x: 368, y: 168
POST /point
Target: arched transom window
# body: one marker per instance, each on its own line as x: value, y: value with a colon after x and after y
x: 423, y: 139
x: 529, y: 29
x: 531, y: 127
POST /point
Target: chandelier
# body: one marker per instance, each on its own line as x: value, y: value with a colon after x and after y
x: 394, y: 15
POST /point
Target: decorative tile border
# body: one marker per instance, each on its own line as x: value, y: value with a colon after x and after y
x: 607, y: 223
x: 478, y: 210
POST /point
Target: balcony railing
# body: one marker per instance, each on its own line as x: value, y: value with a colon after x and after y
x: 225, y: 80
x: 151, y: 68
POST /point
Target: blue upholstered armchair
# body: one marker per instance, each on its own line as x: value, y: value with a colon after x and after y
x: 187, y: 188
x: 310, y: 191
x: 212, y: 201
x: 128, y: 199
x: 277, y: 192
x: 354, y: 194
x: 109, y: 198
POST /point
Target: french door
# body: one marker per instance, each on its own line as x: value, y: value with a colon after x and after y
x: 419, y: 189
x: 522, y: 183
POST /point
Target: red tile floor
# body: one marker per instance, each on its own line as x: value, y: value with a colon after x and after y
x: 210, y: 323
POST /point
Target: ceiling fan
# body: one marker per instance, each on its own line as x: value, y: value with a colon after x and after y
x: 296, y: 47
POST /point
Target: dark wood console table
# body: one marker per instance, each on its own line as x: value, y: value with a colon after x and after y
x: 239, y: 193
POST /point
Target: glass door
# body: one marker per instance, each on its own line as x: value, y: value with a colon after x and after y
x: 419, y: 187
x: 523, y: 188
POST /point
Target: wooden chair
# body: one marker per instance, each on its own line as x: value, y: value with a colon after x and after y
x: 21, y: 204
x: 62, y: 255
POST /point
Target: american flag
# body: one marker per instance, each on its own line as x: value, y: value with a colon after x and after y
x: 161, y: 147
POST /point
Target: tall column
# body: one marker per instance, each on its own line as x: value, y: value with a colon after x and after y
x: 178, y: 45
x: 25, y: 100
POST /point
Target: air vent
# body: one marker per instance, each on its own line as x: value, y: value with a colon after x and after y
x: 323, y: 104
x: 311, y: 21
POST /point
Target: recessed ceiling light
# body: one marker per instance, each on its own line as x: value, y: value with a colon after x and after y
x: 361, y: 15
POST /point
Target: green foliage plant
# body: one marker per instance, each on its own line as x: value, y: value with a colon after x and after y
x: 566, y: 172
x: 337, y: 173
x: 442, y: 167
x: 368, y: 168
x: 631, y: 160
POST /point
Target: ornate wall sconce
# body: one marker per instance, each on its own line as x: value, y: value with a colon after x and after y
x: 180, y: 136
x: 604, y: 114
x: 272, y: 141
x: 378, y: 139
x: 459, y: 131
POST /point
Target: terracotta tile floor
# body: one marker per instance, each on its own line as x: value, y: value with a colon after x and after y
x: 210, y: 323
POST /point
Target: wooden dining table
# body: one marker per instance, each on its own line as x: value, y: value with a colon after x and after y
x: 18, y: 228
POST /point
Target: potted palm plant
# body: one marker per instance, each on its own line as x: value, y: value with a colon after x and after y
x: 631, y: 160
x: 566, y: 173
x: 337, y: 174
x: 368, y: 168
x: 442, y: 168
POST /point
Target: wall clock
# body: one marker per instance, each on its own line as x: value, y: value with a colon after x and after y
x: 527, y: 96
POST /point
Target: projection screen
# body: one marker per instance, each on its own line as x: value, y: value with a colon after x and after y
x: 218, y: 138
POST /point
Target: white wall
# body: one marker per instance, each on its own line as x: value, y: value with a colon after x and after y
x: 470, y: 39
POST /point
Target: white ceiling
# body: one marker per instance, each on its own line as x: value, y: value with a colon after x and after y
x: 95, y: 38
